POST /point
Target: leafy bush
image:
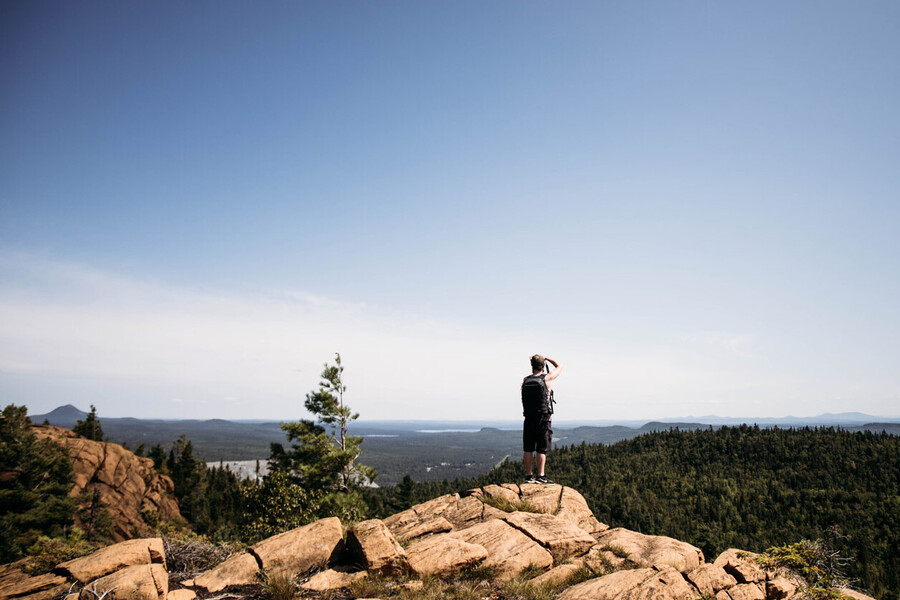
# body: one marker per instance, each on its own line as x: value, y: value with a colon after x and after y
x: 815, y: 562
x: 48, y: 552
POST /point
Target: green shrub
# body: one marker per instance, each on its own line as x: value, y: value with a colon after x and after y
x: 48, y: 552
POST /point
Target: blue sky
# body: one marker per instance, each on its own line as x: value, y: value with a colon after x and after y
x: 693, y: 206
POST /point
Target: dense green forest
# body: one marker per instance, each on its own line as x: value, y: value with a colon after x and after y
x: 741, y: 487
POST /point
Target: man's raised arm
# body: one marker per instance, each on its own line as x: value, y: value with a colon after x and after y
x: 556, y: 369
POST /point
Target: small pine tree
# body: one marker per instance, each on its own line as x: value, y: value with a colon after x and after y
x: 323, y: 456
x: 89, y: 427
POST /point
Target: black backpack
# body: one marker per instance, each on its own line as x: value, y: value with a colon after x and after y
x: 536, y: 398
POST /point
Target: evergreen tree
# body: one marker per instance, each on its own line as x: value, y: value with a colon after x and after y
x: 89, y: 427
x: 323, y: 454
x: 35, y: 480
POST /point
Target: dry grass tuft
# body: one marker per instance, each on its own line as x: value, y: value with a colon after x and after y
x: 507, y: 506
x: 280, y: 586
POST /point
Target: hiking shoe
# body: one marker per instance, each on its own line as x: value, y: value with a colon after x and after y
x: 544, y: 480
x: 531, y: 479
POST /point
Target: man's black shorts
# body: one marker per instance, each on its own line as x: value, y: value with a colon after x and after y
x: 536, y: 434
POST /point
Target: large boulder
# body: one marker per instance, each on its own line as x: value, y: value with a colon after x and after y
x: 331, y: 579
x: 127, y: 485
x: 560, y: 537
x: 709, y: 579
x: 741, y: 565
x: 544, y: 498
x: 14, y: 583
x: 747, y: 591
x: 301, y: 549
x: 634, y: 584
x: 574, y: 508
x: 415, y: 529
x: 139, y: 582
x: 509, y: 550
x: 652, y: 550
x: 240, y: 569
x: 113, y: 558
x: 443, y: 555
x: 371, y: 545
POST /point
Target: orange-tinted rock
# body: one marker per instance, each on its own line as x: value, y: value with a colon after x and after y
x: 574, y: 508
x: 372, y: 546
x: 746, y: 591
x: 634, y: 584
x: 496, y: 491
x: 415, y: 529
x: 509, y: 550
x: 709, y: 579
x: 741, y: 565
x: 140, y: 582
x: 129, y: 553
x: 181, y: 594
x: 240, y: 569
x: 127, y: 485
x: 780, y: 588
x: 560, y: 537
x: 650, y: 550
x: 443, y: 555
x: 301, y: 549
x: 16, y: 584
x: 331, y: 580
x: 544, y: 498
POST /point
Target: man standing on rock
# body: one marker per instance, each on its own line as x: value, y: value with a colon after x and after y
x: 537, y: 408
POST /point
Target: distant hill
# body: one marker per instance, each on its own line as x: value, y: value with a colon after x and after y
x: 428, y: 451
x: 61, y: 416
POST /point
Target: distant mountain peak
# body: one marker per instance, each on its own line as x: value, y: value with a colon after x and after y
x: 61, y: 416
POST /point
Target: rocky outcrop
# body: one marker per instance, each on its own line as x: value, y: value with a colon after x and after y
x: 138, y: 582
x: 113, y: 558
x: 509, y: 550
x: 652, y: 550
x: 373, y: 547
x: 15, y: 583
x: 292, y: 552
x: 127, y: 485
x: 557, y: 534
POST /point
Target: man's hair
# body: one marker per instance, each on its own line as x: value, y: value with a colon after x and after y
x: 537, y: 363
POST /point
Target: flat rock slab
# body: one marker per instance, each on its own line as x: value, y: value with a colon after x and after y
x: 372, y: 546
x: 139, y: 582
x: 544, y: 498
x: 741, y: 565
x: 16, y: 584
x: 600, y: 560
x: 710, y: 579
x: 650, y: 550
x: 635, y: 584
x: 574, y: 508
x: 497, y: 491
x: 240, y: 569
x: 301, y: 549
x: 416, y: 529
x: 560, y: 537
x: 509, y: 550
x: 443, y: 555
x: 747, y: 591
x: 331, y: 580
x: 113, y: 558
x: 181, y: 594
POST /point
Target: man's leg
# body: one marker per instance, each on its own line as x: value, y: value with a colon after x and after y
x: 541, y: 461
x: 526, y: 458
